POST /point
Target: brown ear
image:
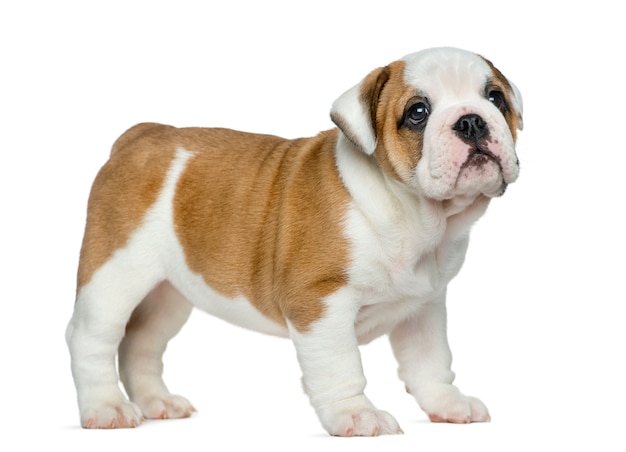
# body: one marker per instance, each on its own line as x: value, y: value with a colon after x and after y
x: 354, y: 112
x: 518, y: 105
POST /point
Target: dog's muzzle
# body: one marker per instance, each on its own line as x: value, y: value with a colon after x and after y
x: 473, y: 130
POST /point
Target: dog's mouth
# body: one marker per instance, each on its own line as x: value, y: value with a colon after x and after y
x: 482, y: 171
x: 479, y: 157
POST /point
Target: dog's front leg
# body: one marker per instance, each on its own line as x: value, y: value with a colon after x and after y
x: 333, y: 375
x: 421, y: 347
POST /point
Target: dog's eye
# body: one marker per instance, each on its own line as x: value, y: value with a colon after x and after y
x: 497, y: 98
x: 417, y: 114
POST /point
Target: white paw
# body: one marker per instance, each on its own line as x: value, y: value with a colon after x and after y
x: 167, y: 407
x: 357, y: 417
x: 445, y: 403
x: 123, y: 414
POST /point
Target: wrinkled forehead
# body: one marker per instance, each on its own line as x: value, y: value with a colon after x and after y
x: 445, y: 72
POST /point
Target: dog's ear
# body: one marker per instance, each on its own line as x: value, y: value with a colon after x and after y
x: 354, y: 112
x: 518, y: 105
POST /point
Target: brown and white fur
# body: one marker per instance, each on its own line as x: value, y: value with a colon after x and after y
x: 332, y: 241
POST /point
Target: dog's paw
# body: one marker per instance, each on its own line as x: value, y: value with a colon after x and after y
x: 167, y: 407
x: 123, y: 414
x: 357, y: 417
x: 445, y: 403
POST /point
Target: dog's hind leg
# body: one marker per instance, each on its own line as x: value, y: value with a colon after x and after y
x: 103, y: 307
x: 158, y: 318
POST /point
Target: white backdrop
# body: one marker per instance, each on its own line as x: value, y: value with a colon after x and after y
x: 536, y: 316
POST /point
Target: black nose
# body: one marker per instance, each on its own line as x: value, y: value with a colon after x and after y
x: 471, y: 127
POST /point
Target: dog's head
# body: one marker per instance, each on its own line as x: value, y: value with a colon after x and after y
x: 443, y: 121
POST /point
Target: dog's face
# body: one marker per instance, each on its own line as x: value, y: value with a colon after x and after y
x: 442, y: 121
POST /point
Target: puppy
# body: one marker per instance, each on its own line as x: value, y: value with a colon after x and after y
x: 332, y: 241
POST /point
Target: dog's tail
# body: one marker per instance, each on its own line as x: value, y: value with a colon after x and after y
x: 132, y: 134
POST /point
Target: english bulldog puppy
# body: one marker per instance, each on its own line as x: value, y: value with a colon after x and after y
x: 331, y: 241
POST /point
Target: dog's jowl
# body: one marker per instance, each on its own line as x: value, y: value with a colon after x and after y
x: 331, y: 241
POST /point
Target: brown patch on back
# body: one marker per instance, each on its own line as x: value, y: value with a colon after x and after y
x: 126, y: 186
x: 262, y: 217
x: 399, y: 149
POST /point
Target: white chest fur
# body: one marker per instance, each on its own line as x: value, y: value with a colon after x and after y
x: 394, y: 280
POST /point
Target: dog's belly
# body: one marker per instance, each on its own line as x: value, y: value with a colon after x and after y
x: 237, y: 311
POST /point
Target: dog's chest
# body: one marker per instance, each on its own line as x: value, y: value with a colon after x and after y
x: 394, y: 285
